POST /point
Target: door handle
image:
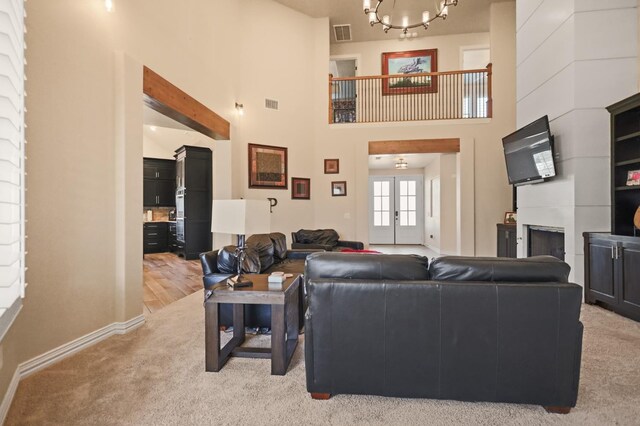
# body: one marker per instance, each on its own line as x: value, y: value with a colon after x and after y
x: 613, y: 252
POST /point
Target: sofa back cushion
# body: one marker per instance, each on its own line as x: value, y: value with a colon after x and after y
x: 263, y: 245
x: 530, y: 269
x: 327, y: 237
x: 279, y: 246
x: 228, y: 263
x: 366, y: 266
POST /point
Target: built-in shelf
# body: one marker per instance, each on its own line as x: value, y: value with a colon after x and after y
x: 627, y: 188
x: 627, y: 137
x: 627, y: 162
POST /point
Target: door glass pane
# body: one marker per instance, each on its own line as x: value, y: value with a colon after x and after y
x: 385, y: 204
x: 412, y: 187
x: 403, y: 219
x: 403, y: 203
x: 377, y: 188
x: 385, y: 219
x: 412, y: 203
x: 385, y: 188
x: 412, y: 218
x: 403, y: 187
x: 377, y: 203
x: 377, y: 219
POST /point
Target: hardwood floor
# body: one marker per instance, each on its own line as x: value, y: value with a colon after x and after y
x: 168, y: 278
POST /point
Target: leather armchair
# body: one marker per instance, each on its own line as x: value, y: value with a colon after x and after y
x: 470, y: 329
x: 322, y: 239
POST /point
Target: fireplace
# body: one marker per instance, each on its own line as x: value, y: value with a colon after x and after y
x: 544, y: 240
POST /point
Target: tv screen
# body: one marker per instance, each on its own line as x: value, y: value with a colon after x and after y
x: 529, y: 153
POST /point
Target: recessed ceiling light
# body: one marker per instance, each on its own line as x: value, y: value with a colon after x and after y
x: 153, y: 128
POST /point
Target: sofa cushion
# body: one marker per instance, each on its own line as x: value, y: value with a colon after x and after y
x: 227, y: 261
x: 366, y: 266
x: 530, y: 269
x: 279, y: 246
x: 328, y: 237
x: 263, y: 245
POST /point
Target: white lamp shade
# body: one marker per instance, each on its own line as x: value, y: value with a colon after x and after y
x: 241, y: 217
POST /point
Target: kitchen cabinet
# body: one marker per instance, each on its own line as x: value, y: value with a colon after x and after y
x: 154, y: 237
x: 193, y: 201
x: 612, y: 272
x: 159, y: 188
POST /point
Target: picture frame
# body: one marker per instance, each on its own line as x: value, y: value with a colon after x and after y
x: 409, y: 62
x: 510, y: 218
x: 331, y: 166
x: 633, y: 178
x: 267, y: 167
x: 339, y: 188
x: 300, y: 188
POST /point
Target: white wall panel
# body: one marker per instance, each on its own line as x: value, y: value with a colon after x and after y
x: 581, y: 133
x: 599, y: 83
x: 555, y: 54
x: 591, y: 180
x: 524, y: 10
x: 583, y: 5
x: 543, y: 22
x: 554, y: 98
x: 598, y: 41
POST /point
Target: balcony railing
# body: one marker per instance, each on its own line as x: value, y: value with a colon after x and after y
x: 411, y: 97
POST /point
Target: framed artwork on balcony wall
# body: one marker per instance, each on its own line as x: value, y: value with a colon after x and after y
x: 331, y: 166
x: 410, y: 62
x: 510, y: 218
x: 339, y: 189
x: 300, y: 188
x: 267, y: 167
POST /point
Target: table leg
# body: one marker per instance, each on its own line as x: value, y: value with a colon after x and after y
x: 212, y: 336
x: 238, y: 322
x: 278, y: 341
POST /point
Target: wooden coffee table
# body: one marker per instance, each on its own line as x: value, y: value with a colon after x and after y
x: 283, y: 299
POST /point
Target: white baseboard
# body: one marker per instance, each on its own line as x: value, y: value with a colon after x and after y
x: 55, y: 355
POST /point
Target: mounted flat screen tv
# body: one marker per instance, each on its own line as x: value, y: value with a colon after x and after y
x: 529, y: 153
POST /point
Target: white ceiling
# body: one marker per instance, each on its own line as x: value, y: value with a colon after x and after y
x: 469, y: 16
x: 151, y: 117
x: 414, y: 161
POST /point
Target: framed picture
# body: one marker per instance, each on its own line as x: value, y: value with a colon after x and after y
x: 300, y: 188
x: 410, y: 62
x: 510, y: 218
x: 633, y: 177
x: 331, y: 166
x: 267, y: 167
x: 339, y: 189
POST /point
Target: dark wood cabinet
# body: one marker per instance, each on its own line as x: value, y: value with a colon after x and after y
x: 612, y: 272
x: 159, y: 188
x: 507, y: 240
x: 155, y: 237
x: 193, y: 201
x: 625, y: 157
x: 171, y: 237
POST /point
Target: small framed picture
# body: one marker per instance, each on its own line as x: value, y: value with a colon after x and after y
x: 339, y: 189
x: 633, y: 178
x: 510, y: 218
x: 331, y: 166
x: 300, y: 188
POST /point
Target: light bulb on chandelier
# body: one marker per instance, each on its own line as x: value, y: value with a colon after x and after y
x: 386, y: 23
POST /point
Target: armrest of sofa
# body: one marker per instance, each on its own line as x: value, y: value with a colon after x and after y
x: 301, y: 253
x: 317, y: 247
x: 355, y: 245
x: 209, y: 262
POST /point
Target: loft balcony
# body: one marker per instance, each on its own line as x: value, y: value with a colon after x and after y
x: 450, y: 95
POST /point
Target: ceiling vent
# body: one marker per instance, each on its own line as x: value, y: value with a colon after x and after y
x: 271, y: 104
x: 342, y: 32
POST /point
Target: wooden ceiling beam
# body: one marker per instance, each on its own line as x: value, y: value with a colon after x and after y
x: 162, y: 96
x: 414, y: 146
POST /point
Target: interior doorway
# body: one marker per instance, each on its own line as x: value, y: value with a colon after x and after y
x: 396, y: 209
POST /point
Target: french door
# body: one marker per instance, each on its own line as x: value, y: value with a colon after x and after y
x: 396, y: 210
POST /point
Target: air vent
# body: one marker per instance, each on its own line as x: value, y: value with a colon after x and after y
x: 271, y: 104
x: 342, y: 32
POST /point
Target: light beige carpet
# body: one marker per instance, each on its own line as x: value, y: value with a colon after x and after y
x: 155, y: 376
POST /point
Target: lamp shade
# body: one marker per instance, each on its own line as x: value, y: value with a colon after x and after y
x: 241, y: 217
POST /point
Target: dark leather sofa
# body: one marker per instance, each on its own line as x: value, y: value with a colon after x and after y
x: 470, y: 329
x: 265, y: 253
x: 322, y: 239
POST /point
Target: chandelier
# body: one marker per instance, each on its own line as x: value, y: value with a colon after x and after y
x: 401, y: 164
x: 374, y: 18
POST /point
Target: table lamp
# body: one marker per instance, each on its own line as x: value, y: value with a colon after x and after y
x: 240, y: 217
